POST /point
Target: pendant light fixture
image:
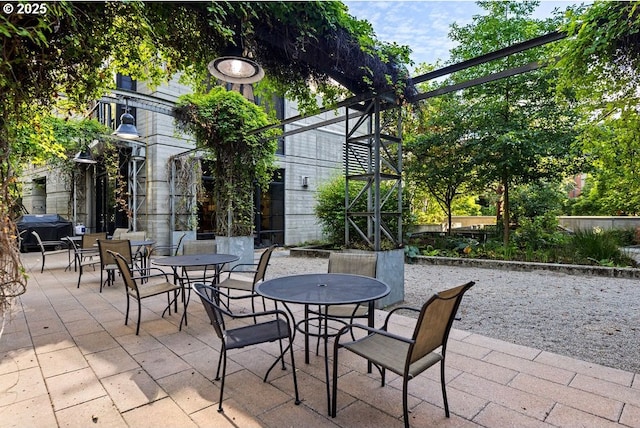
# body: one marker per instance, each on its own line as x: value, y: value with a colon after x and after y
x: 127, y: 128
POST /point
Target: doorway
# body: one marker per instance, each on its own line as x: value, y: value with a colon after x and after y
x: 269, y: 218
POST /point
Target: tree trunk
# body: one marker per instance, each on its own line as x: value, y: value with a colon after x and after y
x: 499, y: 192
x: 506, y: 217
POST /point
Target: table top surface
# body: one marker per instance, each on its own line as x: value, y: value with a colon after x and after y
x: 136, y: 243
x: 146, y: 242
x: 196, y: 260
x: 323, y: 289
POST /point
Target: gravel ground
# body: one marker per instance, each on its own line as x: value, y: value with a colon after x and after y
x: 593, y: 319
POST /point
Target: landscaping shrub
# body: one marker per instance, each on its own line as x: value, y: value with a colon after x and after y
x: 538, y: 233
x: 599, y: 247
x: 330, y: 211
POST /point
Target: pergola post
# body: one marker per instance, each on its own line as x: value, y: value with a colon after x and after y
x: 373, y: 155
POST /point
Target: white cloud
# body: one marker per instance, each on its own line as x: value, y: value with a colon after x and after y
x: 424, y: 25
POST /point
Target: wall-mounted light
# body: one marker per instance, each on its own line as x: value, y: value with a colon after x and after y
x: 305, y: 181
x: 127, y: 128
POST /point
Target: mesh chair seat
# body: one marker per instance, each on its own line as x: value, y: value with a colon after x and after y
x: 391, y: 353
x: 153, y: 289
x: 345, y: 311
x: 257, y: 333
x: 235, y: 283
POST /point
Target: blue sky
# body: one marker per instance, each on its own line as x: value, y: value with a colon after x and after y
x: 424, y: 25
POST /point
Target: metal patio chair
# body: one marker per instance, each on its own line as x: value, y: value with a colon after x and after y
x: 42, y: 246
x: 276, y: 327
x: 235, y: 280
x: 354, y: 263
x: 141, y: 286
x: 406, y: 356
x: 108, y: 264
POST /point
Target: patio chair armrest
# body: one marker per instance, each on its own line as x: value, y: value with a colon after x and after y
x: 233, y: 269
x: 277, y: 312
x: 81, y: 251
x: 394, y: 310
x: 143, y: 273
x: 156, y: 248
x: 47, y: 243
x: 368, y: 329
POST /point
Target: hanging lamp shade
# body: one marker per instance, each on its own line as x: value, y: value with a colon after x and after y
x: 234, y: 67
x: 84, y: 156
x: 127, y: 128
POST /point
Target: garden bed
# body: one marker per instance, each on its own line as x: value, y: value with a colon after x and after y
x: 569, y: 269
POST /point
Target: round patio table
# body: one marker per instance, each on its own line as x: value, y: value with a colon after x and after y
x: 323, y: 289
x: 195, y: 260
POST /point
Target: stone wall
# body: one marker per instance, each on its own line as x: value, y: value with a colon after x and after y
x: 601, y: 222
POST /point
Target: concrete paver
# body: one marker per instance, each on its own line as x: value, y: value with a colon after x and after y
x: 67, y: 359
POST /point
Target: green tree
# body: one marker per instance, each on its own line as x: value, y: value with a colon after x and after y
x: 439, y: 159
x: 601, y: 61
x: 600, y: 58
x: 536, y: 199
x: 614, y: 146
x: 519, y: 131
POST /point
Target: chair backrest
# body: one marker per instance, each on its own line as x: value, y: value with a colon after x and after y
x: 202, y: 246
x: 34, y: 233
x: 134, y: 236
x: 117, y: 234
x: 262, y: 265
x: 108, y: 247
x: 89, y: 239
x: 125, y: 271
x: 179, y: 244
x: 355, y: 263
x: 435, y: 320
x: 209, y: 295
x: 75, y: 245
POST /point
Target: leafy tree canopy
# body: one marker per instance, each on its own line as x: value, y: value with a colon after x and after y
x: 601, y: 56
x: 601, y: 60
x: 521, y: 132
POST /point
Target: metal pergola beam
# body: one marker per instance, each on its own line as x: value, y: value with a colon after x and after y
x: 479, y: 81
x: 361, y: 106
x: 141, y: 101
x: 491, y: 56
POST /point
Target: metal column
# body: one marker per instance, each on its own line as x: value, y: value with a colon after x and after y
x: 373, y: 155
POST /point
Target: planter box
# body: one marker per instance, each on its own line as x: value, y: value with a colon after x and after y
x: 176, y: 234
x: 241, y: 246
x: 390, y: 270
